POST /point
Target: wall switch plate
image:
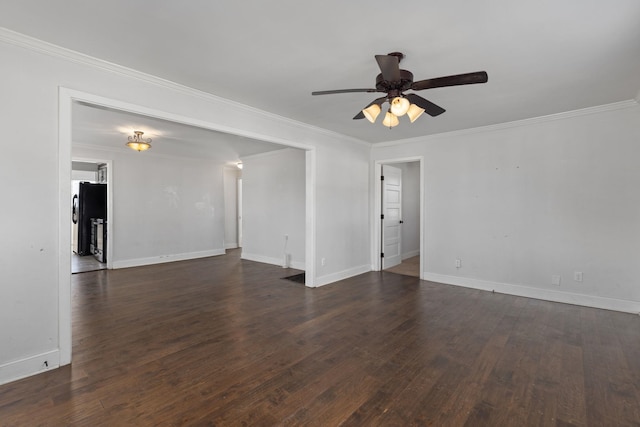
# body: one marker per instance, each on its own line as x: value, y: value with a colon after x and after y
x: 323, y: 261
x: 555, y: 280
x: 577, y: 276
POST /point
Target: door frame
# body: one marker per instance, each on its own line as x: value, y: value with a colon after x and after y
x: 376, y: 222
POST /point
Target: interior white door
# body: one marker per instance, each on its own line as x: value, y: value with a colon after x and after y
x: 391, y: 216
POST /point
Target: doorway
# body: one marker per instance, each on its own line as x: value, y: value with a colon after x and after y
x: 67, y: 98
x: 398, y: 217
x: 90, y: 208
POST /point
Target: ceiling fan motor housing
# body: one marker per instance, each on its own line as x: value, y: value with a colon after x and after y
x: 406, y: 78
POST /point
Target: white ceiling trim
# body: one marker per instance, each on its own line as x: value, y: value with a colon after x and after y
x: 631, y: 103
x: 27, y: 42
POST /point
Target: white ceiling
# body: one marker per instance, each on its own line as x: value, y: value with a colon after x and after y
x: 109, y: 129
x: 542, y: 57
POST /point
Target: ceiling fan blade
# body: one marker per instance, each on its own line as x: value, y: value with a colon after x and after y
x: 329, y: 92
x: 378, y: 101
x: 456, y: 80
x: 429, y: 107
x: 390, y: 67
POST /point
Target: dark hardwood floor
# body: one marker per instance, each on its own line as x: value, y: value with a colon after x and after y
x: 221, y: 341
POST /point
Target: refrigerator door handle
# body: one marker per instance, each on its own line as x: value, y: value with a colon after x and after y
x: 74, y: 209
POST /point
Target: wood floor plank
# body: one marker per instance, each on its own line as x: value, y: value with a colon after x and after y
x: 223, y: 341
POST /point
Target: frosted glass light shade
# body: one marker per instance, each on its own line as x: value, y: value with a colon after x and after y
x: 138, y: 146
x: 400, y: 106
x: 414, y: 112
x: 390, y: 120
x: 371, y: 112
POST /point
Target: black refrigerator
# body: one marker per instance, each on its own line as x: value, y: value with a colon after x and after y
x: 89, y: 204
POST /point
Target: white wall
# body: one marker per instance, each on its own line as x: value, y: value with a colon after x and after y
x: 77, y: 175
x: 35, y: 313
x: 230, y: 178
x: 164, y: 208
x: 84, y: 166
x: 273, y: 193
x: 410, y: 208
x: 519, y: 203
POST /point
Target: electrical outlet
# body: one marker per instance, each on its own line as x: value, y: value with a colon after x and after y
x: 458, y: 263
x: 323, y: 261
x: 577, y: 276
x: 555, y: 280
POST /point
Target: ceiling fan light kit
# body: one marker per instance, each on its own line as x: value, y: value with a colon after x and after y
x: 394, y: 82
x: 399, y: 106
x: 390, y: 120
x: 414, y: 112
x: 371, y: 112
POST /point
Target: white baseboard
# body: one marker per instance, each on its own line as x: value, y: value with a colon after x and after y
x: 341, y: 275
x: 166, y: 258
x: 410, y: 254
x: 28, y: 366
x: 232, y: 245
x: 298, y: 265
x: 537, y: 293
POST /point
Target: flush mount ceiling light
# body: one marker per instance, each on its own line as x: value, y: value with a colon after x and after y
x: 394, y: 82
x: 137, y: 142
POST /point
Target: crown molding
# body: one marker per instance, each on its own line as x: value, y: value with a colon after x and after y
x: 31, y: 43
x: 37, y: 45
x: 631, y: 103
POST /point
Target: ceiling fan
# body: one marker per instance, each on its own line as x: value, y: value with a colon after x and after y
x: 394, y: 82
